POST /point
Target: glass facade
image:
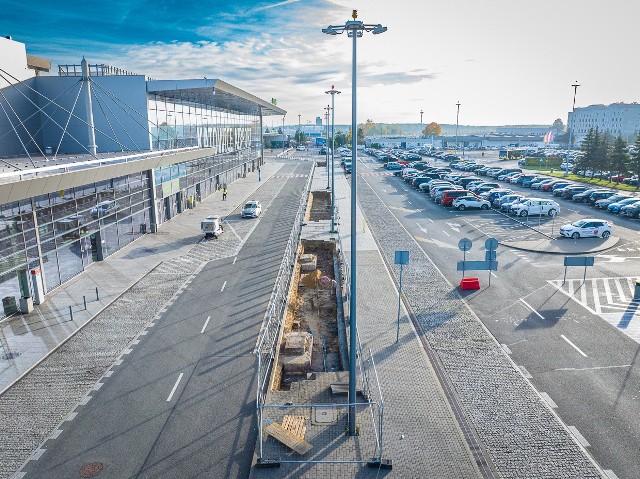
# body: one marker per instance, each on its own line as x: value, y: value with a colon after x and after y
x: 64, y: 232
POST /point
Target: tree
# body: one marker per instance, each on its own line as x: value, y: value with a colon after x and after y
x: 589, y: 147
x: 634, y: 162
x: 619, y: 158
x: 359, y: 139
x: 603, y: 152
x: 558, y: 126
x: 432, y: 129
x: 368, y: 127
x: 300, y: 137
x: 341, y: 138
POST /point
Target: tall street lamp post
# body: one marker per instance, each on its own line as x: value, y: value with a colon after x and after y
x: 573, y: 110
x: 283, y: 136
x: 354, y: 28
x: 326, y: 161
x: 333, y: 92
x: 457, y: 115
x: 421, y: 112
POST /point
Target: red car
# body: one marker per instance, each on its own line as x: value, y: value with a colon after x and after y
x: 449, y: 195
x: 617, y: 178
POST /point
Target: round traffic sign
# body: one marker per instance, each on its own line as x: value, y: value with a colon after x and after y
x: 464, y: 244
x: 491, y: 244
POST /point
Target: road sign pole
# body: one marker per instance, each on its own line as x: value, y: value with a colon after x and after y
x: 399, y: 296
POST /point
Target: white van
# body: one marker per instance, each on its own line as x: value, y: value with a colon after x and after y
x: 211, y: 226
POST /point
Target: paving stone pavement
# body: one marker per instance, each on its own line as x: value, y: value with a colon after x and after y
x: 420, y: 433
x: 522, y: 436
x: 37, y: 405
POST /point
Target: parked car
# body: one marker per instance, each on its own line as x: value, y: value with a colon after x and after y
x: 475, y: 187
x: 616, y: 207
x: 604, y: 203
x: 536, y: 185
x: 561, y: 185
x: 569, y: 191
x: 495, y: 193
x: 632, y: 210
x: 466, y: 180
x: 448, y: 196
x: 505, y: 202
x: 588, y: 227
x: 470, y: 201
x: 585, y: 196
x: 393, y: 165
x: 529, y: 181
x: 439, y: 192
x: 600, y: 195
x: 251, y: 209
x: 536, y: 206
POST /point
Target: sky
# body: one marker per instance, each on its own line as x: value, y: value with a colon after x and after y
x: 507, y: 62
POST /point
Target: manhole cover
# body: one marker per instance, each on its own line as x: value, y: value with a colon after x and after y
x: 92, y: 469
x: 10, y: 356
x: 323, y: 415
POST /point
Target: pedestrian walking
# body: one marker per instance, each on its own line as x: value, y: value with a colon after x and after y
x: 224, y: 194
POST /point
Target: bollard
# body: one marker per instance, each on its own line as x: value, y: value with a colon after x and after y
x: 71, y: 313
x: 97, y: 295
x: 84, y: 298
x: 636, y: 295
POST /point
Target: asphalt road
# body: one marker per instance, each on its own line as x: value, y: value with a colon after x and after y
x: 583, y: 361
x: 182, y: 403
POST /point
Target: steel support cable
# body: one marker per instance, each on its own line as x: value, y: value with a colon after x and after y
x: 68, y: 120
x: 16, y: 131
x: 35, y: 112
x: 51, y: 118
x: 63, y: 109
x: 95, y: 94
x: 136, y: 111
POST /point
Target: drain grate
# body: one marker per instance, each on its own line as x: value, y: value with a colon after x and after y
x: 10, y: 356
x: 92, y: 469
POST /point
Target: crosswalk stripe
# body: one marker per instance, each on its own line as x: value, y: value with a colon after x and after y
x: 583, y: 293
x: 621, y: 294
x: 596, y: 297
x: 607, y: 292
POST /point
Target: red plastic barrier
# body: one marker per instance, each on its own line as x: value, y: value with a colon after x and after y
x: 469, y: 283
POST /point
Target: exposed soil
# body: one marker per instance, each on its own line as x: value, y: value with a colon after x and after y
x: 313, y: 309
x: 320, y: 206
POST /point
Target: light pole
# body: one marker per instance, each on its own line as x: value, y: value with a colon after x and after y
x: 333, y: 92
x: 354, y: 29
x: 457, y: 115
x: 326, y: 161
x: 421, y: 112
x: 299, y: 130
x: 283, y: 136
x: 573, y: 110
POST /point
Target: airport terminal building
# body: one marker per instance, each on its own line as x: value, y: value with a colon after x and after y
x: 94, y: 157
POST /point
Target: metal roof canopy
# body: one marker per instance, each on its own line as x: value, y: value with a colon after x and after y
x: 213, y: 93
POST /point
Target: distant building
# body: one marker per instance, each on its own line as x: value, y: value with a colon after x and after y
x: 318, y: 120
x: 618, y: 119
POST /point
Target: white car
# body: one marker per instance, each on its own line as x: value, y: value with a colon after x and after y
x: 536, y: 206
x: 251, y: 209
x: 301, y: 148
x: 587, y: 227
x: 470, y: 201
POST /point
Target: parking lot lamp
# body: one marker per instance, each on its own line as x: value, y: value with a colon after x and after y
x: 573, y: 110
x: 421, y: 112
x: 326, y: 162
x: 333, y: 92
x: 354, y: 28
x: 457, y: 116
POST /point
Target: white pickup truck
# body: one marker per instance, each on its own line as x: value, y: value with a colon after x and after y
x: 211, y: 226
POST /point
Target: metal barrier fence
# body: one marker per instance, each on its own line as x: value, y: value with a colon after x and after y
x: 326, y: 432
x: 267, y: 340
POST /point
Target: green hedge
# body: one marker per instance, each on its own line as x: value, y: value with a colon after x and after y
x: 552, y: 162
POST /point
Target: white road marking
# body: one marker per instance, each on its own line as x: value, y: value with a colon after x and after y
x: 610, y: 474
x: 384, y: 190
x: 593, y: 368
x: 493, y: 274
x: 578, y: 436
x: 175, y: 386
x: 430, y: 220
x: 234, y: 260
x: 596, y: 297
x: 409, y: 202
x: 223, y: 285
x: 421, y: 228
x: 607, y: 292
x: 572, y: 345
x: 531, y: 308
x: 446, y: 233
x: 205, y: 324
x: 506, y: 348
x: 526, y: 373
x: 548, y: 400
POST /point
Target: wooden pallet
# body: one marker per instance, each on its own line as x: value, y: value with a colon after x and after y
x: 285, y: 435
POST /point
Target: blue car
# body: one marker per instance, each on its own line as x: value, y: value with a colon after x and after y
x: 616, y: 207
